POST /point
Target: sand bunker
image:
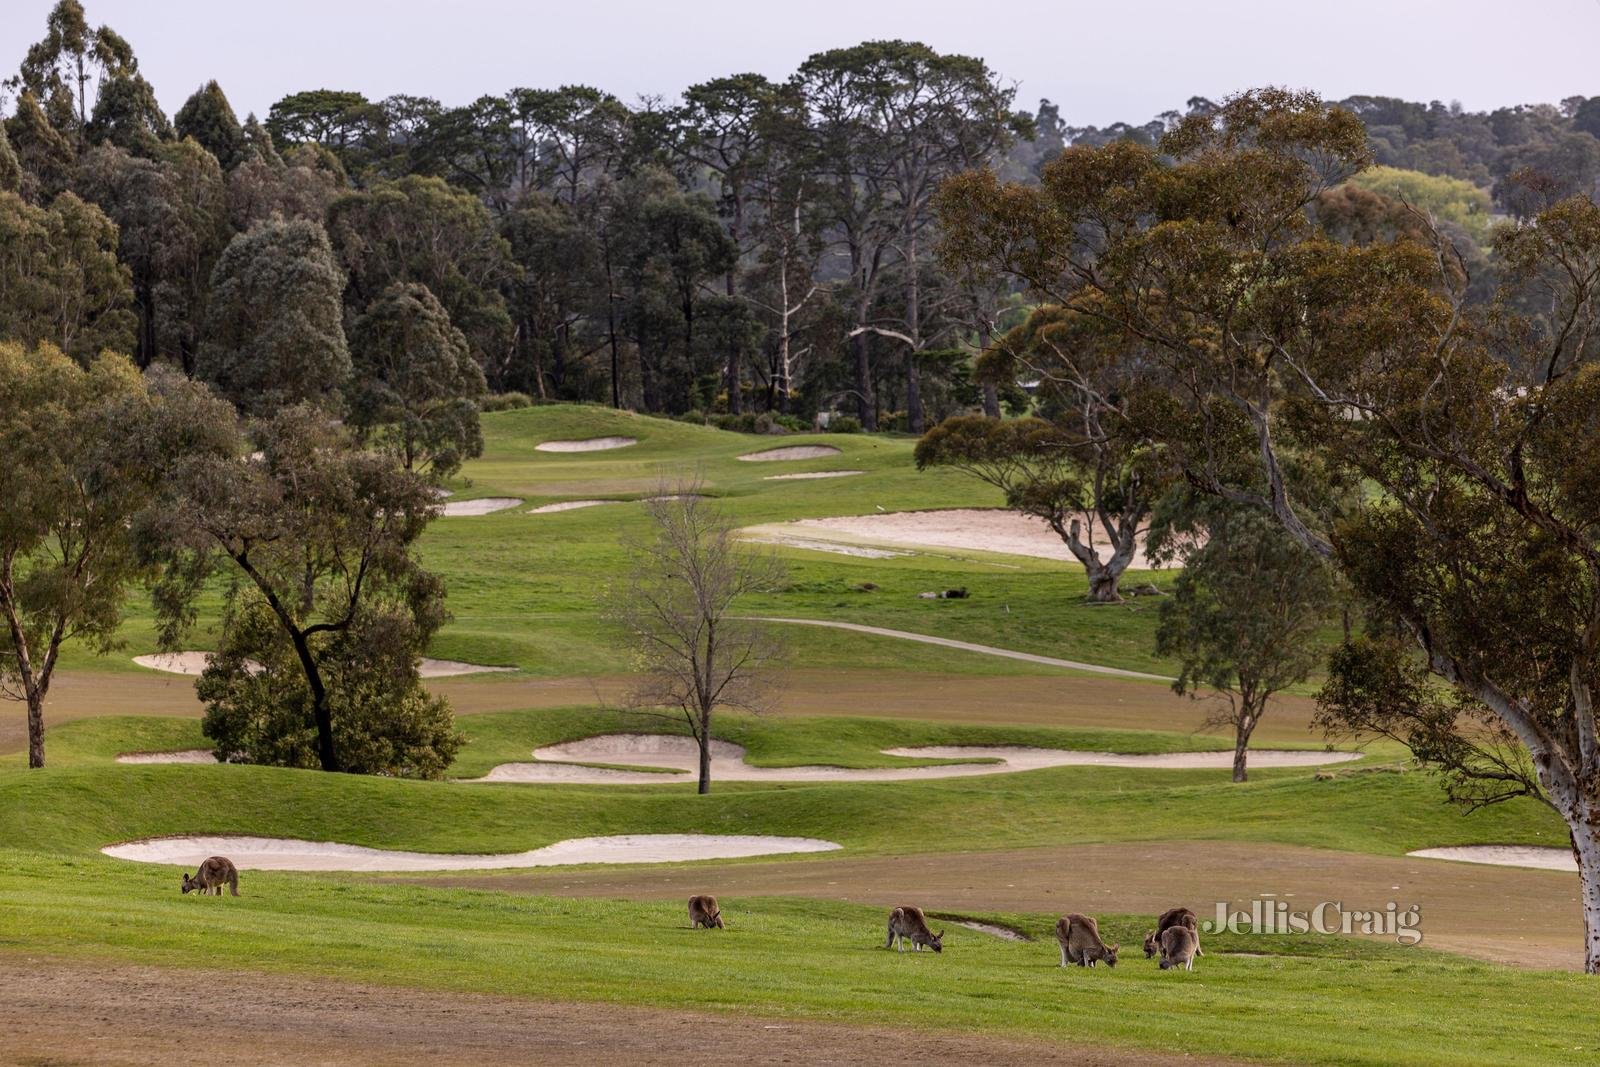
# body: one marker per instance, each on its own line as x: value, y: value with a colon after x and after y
x: 1004, y: 933
x: 813, y: 545
x: 449, y: 668
x: 486, y: 505
x: 281, y: 854
x: 773, y: 455
x: 1546, y: 859
x: 188, y: 755
x: 567, y: 505
x: 970, y: 529
x: 591, y: 444
x: 809, y: 475
x: 195, y: 662
x: 679, y: 755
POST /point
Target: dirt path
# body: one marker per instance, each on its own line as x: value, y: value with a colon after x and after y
x: 1522, y: 917
x: 1041, y: 699
x: 66, y: 1013
x: 968, y: 646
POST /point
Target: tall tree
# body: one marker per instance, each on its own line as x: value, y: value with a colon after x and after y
x: 209, y: 119
x: 59, y: 69
x: 1478, y: 543
x: 45, y: 156
x: 274, y: 328
x: 416, y: 385
x: 127, y: 115
x: 60, y: 281
x: 332, y: 607
x: 677, y: 607
x: 82, y: 450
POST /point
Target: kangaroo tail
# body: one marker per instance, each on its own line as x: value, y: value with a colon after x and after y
x: 233, y: 882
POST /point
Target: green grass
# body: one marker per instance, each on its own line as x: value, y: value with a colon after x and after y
x: 1317, y: 999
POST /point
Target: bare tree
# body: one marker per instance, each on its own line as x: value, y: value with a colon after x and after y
x: 676, y: 606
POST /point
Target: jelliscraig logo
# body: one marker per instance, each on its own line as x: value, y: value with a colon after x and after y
x: 1328, y: 917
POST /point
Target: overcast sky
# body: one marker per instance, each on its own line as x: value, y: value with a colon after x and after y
x: 1101, y: 61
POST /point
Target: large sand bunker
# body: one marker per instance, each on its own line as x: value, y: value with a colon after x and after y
x: 811, y: 544
x: 1545, y: 859
x: 969, y: 529
x: 193, y: 663
x: 591, y: 444
x: 676, y: 758
x: 284, y: 854
x: 776, y: 455
x: 484, y: 505
x: 809, y: 475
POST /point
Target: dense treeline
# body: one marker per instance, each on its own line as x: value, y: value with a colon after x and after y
x: 756, y: 246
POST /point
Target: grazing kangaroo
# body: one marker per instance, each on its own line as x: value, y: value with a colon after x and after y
x: 1079, y: 937
x: 212, y: 875
x: 703, y: 911
x: 1171, y: 917
x: 1178, y: 947
x: 909, y: 922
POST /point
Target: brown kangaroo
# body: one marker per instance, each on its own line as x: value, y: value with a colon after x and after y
x: 1171, y: 917
x: 909, y: 922
x: 1178, y: 947
x: 1079, y: 938
x: 212, y: 875
x: 703, y: 911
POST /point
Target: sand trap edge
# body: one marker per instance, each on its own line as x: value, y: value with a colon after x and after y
x: 1532, y: 857
x: 587, y: 444
x: 291, y: 854
x: 790, y: 452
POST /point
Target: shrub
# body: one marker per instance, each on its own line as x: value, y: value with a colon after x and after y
x: 844, y: 424
x: 505, y: 402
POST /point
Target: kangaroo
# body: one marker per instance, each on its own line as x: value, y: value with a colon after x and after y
x: 703, y: 911
x: 1178, y: 948
x: 909, y: 922
x: 1171, y: 917
x: 212, y: 875
x: 1079, y: 937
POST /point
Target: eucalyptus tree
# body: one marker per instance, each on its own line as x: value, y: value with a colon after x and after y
x: 127, y: 114
x: 322, y: 631
x: 60, y: 281
x: 208, y: 118
x: 45, y: 157
x: 274, y: 331
x: 421, y: 230
x: 59, y: 69
x: 1476, y: 540
x: 172, y: 220
x: 82, y: 452
x: 416, y: 387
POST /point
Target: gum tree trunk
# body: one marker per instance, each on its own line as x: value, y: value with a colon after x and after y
x: 1241, y: 744
x: 1586, y: 849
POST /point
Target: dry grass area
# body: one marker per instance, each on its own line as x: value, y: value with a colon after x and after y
x: 1521, y: 917
x: 72, y: 1012
x: 1034, y: 700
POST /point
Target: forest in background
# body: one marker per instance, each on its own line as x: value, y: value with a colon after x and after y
x: 754, y: 248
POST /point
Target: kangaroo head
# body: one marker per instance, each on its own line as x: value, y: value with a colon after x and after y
x: 1111, y: 955
x: 1151, y: 945
x: 189, y: 883
x: 936, y: 942
x: 716, y: 919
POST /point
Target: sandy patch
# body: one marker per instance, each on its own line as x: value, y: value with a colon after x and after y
x: 188, y: 755
x: 967, y: 529
x: 833, y: 547
x: 449, y: 668
x: 679, y: 755
x: 567, y: 505
x: 809, y: 475
x: 965, y: 646
x: 591, y: 444
x: 285, y: 854
x: 193, y: 663
x: 486, y: 505
x: 778, y: 455
x: 1544, y: 859
x: 1004, y: 933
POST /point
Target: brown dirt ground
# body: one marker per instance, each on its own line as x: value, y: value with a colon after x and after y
x: 1048, y: 700
x: 61, y: 1013
x: 1521, y: 917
